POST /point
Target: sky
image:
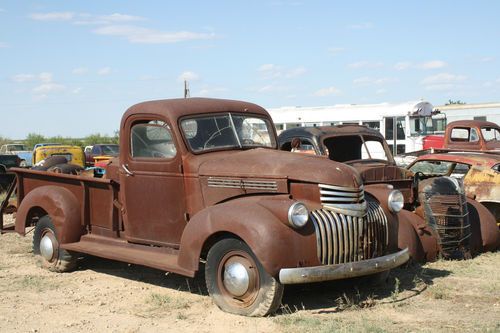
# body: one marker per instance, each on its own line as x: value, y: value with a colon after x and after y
x: 71, y: 68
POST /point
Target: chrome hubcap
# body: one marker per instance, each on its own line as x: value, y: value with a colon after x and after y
x: 47, y: 247
x: 236, y: 279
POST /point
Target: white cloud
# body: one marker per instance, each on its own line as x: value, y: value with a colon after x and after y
x: 272, y: 71
x: 135, y: 34
x: 211, y: 91
x: 3, y: 45
x: 76, y: 90
x: 335, y: 50
x: 402, y: 65
x: 373, y: 81
x: 104, y: 71
x: 443, y: 78
x: 433, y: 64
x: 443, y: 82
x: 87, y: 19
x: 327, y: 92
x: 50, y: 87
x: 54, y: 16
x: 23, y: 77
x: 365, y: 64
x: 272, y: 88
x: 45, y: 77
x: 381, y: 91
x: 486, y: 59
x: 188, y: 76
x: 361, y: 26
x: 294, y: 72
x: 79, y: 70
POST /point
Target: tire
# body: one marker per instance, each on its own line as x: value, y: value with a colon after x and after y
x: 59, y: 260
x: 261, y: 297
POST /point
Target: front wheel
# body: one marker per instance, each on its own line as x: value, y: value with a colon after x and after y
x: 237, y: 281
x: 46, y: 245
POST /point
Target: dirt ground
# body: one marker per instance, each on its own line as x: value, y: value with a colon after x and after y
x: 107, y: 296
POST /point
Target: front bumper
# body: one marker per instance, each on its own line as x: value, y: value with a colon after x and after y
x: 343, y: 271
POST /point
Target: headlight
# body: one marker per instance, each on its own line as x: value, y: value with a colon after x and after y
x: 298, y: 215
x: 395, y: 201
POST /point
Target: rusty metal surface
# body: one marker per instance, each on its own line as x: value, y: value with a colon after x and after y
x: 188, y: 201
x: 445, y: 210
x: 481, y: 144
x: 481, y: 182
x: 339, y: 271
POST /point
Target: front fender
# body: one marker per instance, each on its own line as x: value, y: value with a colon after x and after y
x: 62, y: 207
x: 485, y: 235
x: 417, y: 236
x: 258, y: 221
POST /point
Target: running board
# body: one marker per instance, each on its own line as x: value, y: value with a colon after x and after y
x: 121, y: 250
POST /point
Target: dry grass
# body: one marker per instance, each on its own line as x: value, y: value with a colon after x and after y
x: 445, y: 296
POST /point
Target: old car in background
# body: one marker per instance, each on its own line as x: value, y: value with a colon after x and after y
x: 72, y: 154
x: 103, y: 152
x: 479, y: 172
x: 467, y: 135
x: 203, y: 178
x: 435, y: 219
x: 6, y: 162
x: 20, y: 150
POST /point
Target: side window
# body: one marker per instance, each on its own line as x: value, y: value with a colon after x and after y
x: 95, y: 150
x: 152, y: 139
x: 459, y: 134
x: 474, y: 136
x: 460, y: 170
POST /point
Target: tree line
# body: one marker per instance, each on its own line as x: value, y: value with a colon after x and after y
x: 34, y: 138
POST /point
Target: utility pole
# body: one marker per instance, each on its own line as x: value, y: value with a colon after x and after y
x: 186, y: 89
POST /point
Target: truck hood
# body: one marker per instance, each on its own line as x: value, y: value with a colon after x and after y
x: 268, y: 163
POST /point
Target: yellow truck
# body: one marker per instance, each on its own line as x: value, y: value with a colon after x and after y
x: 73, y: 154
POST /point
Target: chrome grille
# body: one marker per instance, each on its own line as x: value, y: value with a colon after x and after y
x: 343, y: 200
x: 245, y: 184
x: 345, y: 238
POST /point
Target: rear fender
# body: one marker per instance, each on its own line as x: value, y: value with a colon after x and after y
x: 62, y: 207
x: 258, y: 221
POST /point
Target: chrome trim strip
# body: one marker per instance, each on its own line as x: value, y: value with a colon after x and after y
x: 343, y: 271
x: 342, y: 188
x: 244, y: 184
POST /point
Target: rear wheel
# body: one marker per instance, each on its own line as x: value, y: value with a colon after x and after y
x: 237, y: 281
x: 46, y: 245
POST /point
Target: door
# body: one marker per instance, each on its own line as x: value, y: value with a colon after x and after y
x: 395, y: 134
x: 152, y: 186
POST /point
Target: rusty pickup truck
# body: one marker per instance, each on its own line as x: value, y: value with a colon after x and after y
x: 203, y: 179
x: 468, y: 135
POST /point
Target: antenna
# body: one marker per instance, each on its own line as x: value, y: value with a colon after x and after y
x: 186, y: 89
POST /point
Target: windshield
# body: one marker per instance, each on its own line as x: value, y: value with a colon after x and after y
x: 227, y: 131
x: 490, y: 134
x: 347, y: 148
x: 112, y: 150
x: 16, y: 147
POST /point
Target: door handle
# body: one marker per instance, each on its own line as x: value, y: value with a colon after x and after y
x: 127, y: 171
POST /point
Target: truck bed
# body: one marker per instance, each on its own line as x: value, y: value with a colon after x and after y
x: 98, y: 197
